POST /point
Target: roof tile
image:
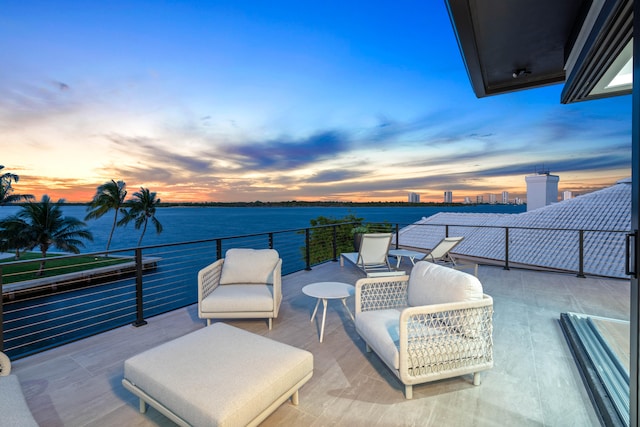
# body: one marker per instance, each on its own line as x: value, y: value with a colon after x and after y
x: 544, y: 237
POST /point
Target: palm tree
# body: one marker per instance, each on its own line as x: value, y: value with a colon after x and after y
x: 6, y: 189
x: 48, y: 227
x: 142, y: 207
x: 14, y: 234
x: 109, y: 195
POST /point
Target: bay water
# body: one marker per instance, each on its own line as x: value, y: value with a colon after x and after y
x: 183, y: 224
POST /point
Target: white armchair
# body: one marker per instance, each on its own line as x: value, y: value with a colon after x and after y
x: 434, y: 324
x: 245, y: 284
x: 13, y: 406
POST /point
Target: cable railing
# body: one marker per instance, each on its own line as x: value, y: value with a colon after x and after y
x: 580, y: 251
x: 75, y: 296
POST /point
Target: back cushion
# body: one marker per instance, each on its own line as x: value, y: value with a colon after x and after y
x: 431, y: 283
x: 249, y: 266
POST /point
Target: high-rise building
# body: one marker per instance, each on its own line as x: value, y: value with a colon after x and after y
x: 492, y: 199
x: 448, y: 197
x: 542, y: 190
x: 414, y: 198
x: 479, y: 198
x: 467, y: 200
x: 566, y: 195
x: 505, y: 197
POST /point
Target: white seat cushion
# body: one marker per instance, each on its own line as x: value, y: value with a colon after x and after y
x: 239, y: 298
x: 380, y: 329
x: 431, y: 283
x: 249, y: 266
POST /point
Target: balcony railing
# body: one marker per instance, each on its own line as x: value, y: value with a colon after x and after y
x: 128, y: 286
x: 579, y: 251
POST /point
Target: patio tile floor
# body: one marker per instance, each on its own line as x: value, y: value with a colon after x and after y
x: 534, y: 381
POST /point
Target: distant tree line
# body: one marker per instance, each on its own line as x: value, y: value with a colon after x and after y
x: 298, y: 203
x: 42, y: 224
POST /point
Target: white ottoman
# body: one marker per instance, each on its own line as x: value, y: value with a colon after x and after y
x: 218, y: 376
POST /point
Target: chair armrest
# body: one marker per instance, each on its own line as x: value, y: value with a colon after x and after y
x: 486, y: 301
x: 414, y: 320
x: 427, y: 331
x: 277, y: 286
x: 209, y: 279
x: 379, y: 293
x: 472, y: 319
x: 5, y: 365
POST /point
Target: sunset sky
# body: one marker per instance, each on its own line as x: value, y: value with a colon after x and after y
x: 281, y: 100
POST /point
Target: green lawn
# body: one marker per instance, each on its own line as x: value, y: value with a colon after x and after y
x: 54, y: 266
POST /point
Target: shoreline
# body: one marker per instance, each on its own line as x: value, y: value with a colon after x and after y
x: 314, y: 204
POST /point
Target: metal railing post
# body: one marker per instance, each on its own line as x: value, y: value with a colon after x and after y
x: 506, y: 248
x: 307, y: 249
x: 1, y: 315
x: 446, y: 230
x: 335, y: 243
x: 629, y: 257
x: 270, y: 240
x: 397, y: 235
x: 218, y: 249
x: 139, y: 309
x: 581, y: 253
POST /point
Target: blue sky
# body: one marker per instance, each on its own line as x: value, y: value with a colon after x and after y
x: 249, y: 100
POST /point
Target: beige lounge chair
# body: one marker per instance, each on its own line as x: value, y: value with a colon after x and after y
x: 434, y: 324
x: 245, y: 284
x: 373, y: 256
x: 441, y: 252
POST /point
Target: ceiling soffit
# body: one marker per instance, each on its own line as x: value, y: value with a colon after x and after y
x: 530, y: 38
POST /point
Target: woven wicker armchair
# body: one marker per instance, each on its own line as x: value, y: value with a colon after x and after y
x: 245, y: 284
x: 434, y: 324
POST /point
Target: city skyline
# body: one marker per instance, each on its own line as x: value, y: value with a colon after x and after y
x: 281, y: 101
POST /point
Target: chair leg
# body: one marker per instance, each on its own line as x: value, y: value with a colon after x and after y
x: 408, y: 391
x: 476, y: 378
x: 368, y: 348
x: 294, y: 398
x: 208, y: 322
x: 270, y: 323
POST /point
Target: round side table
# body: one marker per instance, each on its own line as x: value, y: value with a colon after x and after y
x: 324, y: 291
